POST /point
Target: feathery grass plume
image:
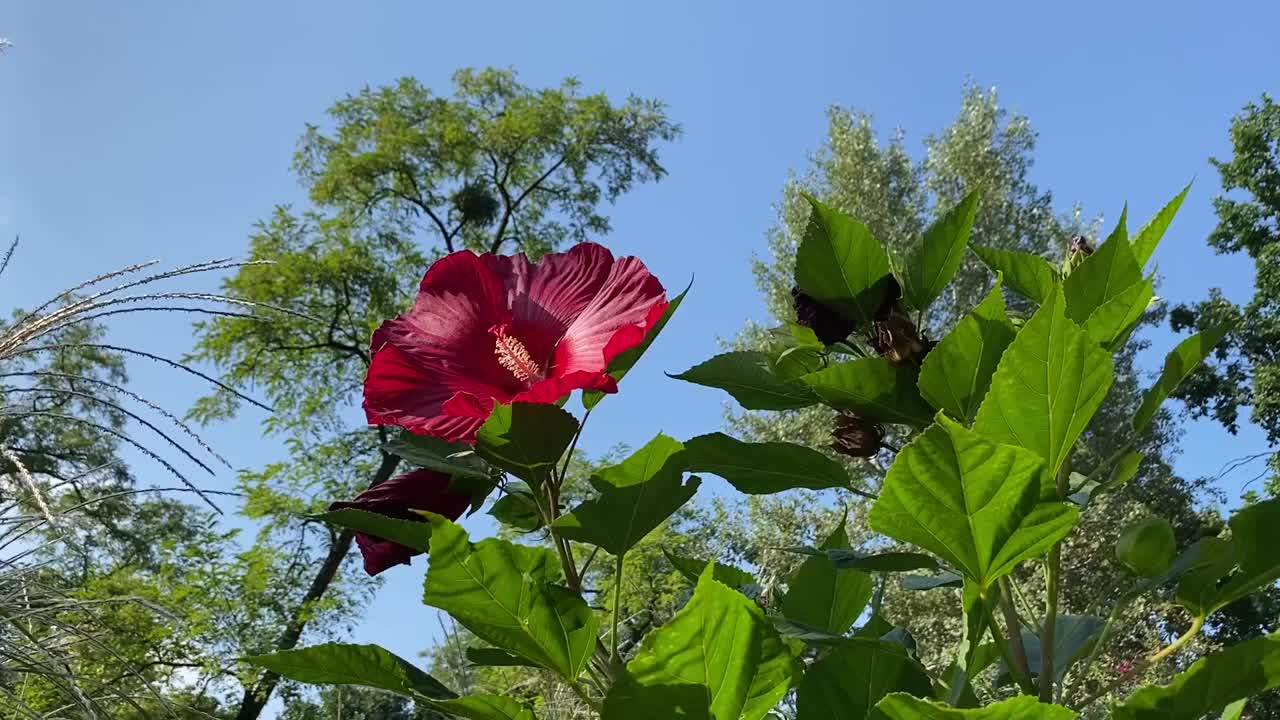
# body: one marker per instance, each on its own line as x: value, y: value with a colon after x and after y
x: 65, y: 415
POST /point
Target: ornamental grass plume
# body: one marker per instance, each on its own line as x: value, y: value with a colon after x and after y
x: 59, y: 378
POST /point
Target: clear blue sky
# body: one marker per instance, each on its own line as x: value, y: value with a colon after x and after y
x: 150, y: 129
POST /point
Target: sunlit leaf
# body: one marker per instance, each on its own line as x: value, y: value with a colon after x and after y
x: 346, y: 664
x: 1047, y: 387
x: 633, y: 497
x: 1031, y: 276
x: 746, y: 376
x: 722, y: 642
x: 410, y: 533
x: 841, y: 265
x: 1146, y: 240
x: 955, y: 375
x: 969, y: 500
x: 1103, y: 276
x: 765, y: 467
x: 526, y: 439
x: 456, y: 459
x: 1178, y: 364
x: 929, y: 264
x: 873, y: 388
x: 503, y: 593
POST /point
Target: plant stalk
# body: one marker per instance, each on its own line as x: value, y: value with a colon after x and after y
x: 617, y: 609
x: 1052, y: 570
x: 1014, y: 625
x: 1017, y: 665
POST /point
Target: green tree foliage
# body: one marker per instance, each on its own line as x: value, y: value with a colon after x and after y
x: 399, y: 176
x: 1244, y: 371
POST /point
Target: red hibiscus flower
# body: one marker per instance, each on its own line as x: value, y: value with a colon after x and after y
x: 398, y: 498
x: 499, y: 329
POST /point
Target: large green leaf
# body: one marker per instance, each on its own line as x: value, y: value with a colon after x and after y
x: 634, y: 497
x: 930, y: 263
x: 1209, y: 684
x: 823, y: 596
x: 503, y: 593
x: 723, y: 643
x: 746, y: 376
x: 1255, y: 535
x: 456, y: 459
x: 1031, y: 276
x: 345, y: 664
x: 410, y: 533
x: 692, y: 569
x: 955, y: 375
x: 1103, y: 276
x: 847, y: 683
x: 1145, y: 242
x: 763, y: 468
x: 630, y: 700
x: 1049, y: 383
x: 873, y: 388
x: 1178, y: 364
x: 1114, y: 320
x: 622, y: 363
x: 930, y: 582
x: 841, y: 265
x: 483, y: 707
x: 969, y: 500
x: 900, y: 706
x: 526, y: 439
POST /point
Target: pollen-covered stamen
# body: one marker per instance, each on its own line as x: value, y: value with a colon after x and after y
x: 513, y: 356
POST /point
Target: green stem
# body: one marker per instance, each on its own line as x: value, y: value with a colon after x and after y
x: 1016, y: 667
x: 1097, y: 648
x: 582, y: 694
x: 617, y: 608
x: 1050, y: 627
x: 1014, y: 625
x: 1196, y: 625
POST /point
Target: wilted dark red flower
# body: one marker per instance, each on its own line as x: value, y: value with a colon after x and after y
x: 897, y: 339
x: 856, y: 436
x: 1080, y: 244
x: 398, y: 498
x: 489, y: 329
x: 827, y: 323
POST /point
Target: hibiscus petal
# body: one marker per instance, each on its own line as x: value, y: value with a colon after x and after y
x: 547, y: 296
x: 400, y: 391
x: 554, y: 388
x: 398, y: 497
x: 631, y: 335
x: 628, y: 299
x: 440, y: 348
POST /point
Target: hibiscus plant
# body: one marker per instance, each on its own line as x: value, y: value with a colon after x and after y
x: 986, y: 421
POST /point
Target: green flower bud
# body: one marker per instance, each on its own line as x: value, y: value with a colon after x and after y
x: 1147, y: 547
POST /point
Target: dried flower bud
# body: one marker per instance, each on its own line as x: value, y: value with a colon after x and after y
x: 856, y: 436
x: 1077, y: 250
x: 828, y: 324
x: 897, y: 339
